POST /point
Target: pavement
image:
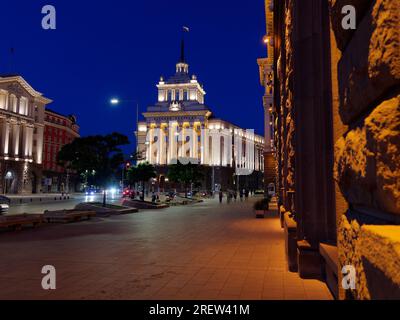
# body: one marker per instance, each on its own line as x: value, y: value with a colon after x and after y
x: 202, y: 251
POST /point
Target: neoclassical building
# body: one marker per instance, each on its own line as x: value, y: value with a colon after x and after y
x: 22, y: 111
x: 181, y: 126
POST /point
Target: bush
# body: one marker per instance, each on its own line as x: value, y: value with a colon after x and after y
x: 262, y: 205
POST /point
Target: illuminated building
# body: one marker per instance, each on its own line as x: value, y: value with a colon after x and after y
x: 22, y: 111
x: 181, y: 126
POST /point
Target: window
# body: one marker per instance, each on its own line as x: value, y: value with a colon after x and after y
x: 169, y: 95
x: 13, y: 103
x: 185, y: 95
x: 3, y: 99
x: 23, y: 106
x: 176, y: 95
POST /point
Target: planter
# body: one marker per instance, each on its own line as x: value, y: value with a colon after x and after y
x: 260, y: 214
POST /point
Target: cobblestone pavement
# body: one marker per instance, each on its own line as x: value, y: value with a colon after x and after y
x: 204, y: 251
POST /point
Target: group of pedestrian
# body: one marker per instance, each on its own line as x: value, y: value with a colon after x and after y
x: 233, y: 195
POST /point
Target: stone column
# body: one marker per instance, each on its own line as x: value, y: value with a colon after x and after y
x: 172, y: 142
x: 5, y: 137
x: 204, y: 145
x: 30, y: 142
x: 194, y: 143
x: 15, y: 142
x: 150, y: 145
x: 39, y: 145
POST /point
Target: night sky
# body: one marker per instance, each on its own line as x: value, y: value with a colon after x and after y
x: 120, y: 48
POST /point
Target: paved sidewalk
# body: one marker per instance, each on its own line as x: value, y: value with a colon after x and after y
x: 205, y: 251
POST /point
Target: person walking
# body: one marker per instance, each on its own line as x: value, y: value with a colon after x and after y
x: 221, y: 195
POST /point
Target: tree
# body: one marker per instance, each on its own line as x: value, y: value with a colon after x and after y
x: 186, y: 174
x: 97, y: 158
x: 141, y: 173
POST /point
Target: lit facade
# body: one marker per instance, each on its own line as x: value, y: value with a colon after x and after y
x: 22, y: 111
x: 266, y: 69
x: 181, y: 126
x: 59, y: 131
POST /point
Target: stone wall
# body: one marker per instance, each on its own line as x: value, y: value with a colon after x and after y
x: 367, y: 155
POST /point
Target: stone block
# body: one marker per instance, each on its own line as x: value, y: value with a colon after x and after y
x: 383, y: 140
x: 291, y: 242
x: 367, y: 160
x: 344, y: 36
x: 379, y: 247
x: 309, y: 261
x: 370, y: 65
x: 329, y: 254
x: 348, y: 254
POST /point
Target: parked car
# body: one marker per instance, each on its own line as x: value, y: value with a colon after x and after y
x: 4, y: 205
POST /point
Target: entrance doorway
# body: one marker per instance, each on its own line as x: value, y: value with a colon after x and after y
x: 10, y: 182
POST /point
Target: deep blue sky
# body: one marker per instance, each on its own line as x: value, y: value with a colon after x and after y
x: 103, y: 49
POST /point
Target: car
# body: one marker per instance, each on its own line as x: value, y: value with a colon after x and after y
x: 128, y: 193
x: 91, y: 191
x: 4, y: 205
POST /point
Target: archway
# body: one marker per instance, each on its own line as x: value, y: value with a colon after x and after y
x: 10, y: 182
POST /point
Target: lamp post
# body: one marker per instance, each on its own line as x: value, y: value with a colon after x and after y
x: 117, y: 101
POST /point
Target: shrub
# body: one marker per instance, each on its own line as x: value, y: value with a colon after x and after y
x: 262, y: 205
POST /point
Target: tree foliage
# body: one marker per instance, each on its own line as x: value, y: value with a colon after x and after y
x: 98, y: 158
x: 186, y: 174
x: 142, y: 173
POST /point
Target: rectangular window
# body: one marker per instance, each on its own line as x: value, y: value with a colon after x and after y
x: 176, y: 95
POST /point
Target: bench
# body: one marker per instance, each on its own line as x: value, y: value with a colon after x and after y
x: 18, y: 221
x: 66, y: 216
x: 329, y: 254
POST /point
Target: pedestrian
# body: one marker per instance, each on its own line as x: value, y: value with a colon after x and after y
x: 235, y: 195
x: 221, y: 195
x: 247, y: 194
x: 230, y: 197
x: 241, y: 195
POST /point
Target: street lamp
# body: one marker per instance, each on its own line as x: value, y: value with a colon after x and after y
x: 114, y: 101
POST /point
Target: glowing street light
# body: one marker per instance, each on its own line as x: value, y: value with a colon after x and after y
x: 114, y: 101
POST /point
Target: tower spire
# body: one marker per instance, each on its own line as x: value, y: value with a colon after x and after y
x: 182, y: 59
x: 182, y: 66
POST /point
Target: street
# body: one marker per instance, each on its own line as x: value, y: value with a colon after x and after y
x: 203, y: 251
x: 38, y: 207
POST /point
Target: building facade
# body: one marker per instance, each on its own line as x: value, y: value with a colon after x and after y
x: 59, y: 130
x: 22, y: 111
x: 266, y: 70
x: 337, y: 107
x: 180, y: 126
